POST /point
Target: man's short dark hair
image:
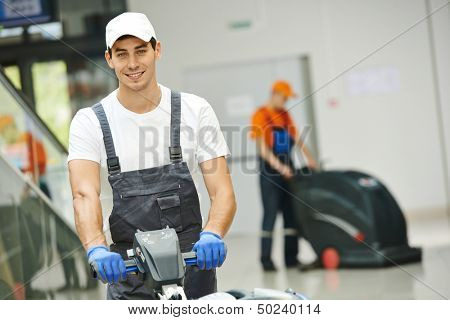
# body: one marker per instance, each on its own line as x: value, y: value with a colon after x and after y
x: 152, y: 42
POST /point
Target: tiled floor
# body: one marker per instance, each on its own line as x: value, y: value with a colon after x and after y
x: 427, y: 280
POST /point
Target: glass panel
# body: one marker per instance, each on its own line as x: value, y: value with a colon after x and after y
x: 89, y: 81
x: 13, y: 73
x: 25, y: 144
x: 40, y: 256
x: 53, y: 106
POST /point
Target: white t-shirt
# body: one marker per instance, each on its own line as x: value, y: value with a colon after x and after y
x: 142, y: 140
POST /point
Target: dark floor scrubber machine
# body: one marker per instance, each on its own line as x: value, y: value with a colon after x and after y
x: 350, y: 219
x: 157, y: 258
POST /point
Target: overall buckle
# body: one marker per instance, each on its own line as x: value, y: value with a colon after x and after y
x: 175, y: 154
x: 113, y: 165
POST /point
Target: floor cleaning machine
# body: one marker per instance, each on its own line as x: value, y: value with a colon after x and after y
x: 350, y: 219
x: 156, y: 256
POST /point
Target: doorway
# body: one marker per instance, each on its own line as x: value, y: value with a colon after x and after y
x: 235, y: 91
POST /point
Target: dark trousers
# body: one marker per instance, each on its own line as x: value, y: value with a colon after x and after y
x: 275, y: 197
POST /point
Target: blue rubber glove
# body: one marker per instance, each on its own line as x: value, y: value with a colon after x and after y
x: 109, y: 266
x: 211, y: 251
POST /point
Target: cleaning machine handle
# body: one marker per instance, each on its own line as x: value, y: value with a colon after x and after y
x: 130, y: 266
x: 190, y: 258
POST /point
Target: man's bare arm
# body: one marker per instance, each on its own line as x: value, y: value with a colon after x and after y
x: 220, y: 189
x: 309, y: 157
x: 266, y: 153
x: 85, y: 182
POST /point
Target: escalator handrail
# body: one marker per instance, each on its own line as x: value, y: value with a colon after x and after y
x: 25, y: 105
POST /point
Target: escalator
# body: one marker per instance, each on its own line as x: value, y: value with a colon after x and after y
x: 41, y: 256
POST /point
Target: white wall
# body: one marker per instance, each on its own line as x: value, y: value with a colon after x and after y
x: 440, y: 26
x: 393, y: 135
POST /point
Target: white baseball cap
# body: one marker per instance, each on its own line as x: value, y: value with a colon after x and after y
x: 129, y: 23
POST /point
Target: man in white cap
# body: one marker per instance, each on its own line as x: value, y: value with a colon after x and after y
x: 149, y: 139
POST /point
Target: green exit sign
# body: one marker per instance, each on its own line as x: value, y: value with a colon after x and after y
x: 240, y: 25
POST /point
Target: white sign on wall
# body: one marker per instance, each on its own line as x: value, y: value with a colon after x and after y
x: 373, y: 81
x: 240, y: 105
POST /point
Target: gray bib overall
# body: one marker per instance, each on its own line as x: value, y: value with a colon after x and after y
x: 152, y: 199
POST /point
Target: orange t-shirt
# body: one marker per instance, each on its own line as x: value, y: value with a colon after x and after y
x: 265, y: 119
x: 36, y: 155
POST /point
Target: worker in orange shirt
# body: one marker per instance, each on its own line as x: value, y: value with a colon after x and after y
x: 24, y: 151
x: 276, y: 135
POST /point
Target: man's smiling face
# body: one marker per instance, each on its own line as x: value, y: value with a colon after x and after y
x: 133, y: 61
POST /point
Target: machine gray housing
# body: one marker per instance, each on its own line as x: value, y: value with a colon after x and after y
x: 158, y: 254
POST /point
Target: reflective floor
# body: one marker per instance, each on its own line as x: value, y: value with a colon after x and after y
x: 427, y: 280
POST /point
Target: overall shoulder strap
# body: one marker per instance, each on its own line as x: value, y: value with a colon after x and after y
x: 175, y: 119
x: 112, y: 160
